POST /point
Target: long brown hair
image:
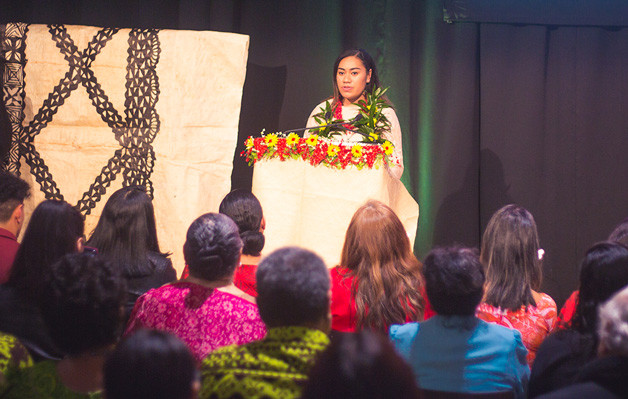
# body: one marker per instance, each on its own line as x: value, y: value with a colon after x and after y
x: 388, y: 283
x: 510, y: 255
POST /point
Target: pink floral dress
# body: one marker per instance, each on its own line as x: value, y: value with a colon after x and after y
x: 203, y: 318
x: 534, y: 322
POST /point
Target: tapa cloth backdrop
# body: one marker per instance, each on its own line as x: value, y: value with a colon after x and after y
x: 95, y: 109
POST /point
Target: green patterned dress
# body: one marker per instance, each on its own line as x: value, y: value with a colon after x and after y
x: 40, y: 381
x: 275, y: 367
x: 13, y: 356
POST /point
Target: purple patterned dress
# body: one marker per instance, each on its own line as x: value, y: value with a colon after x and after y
x: 204, y: 318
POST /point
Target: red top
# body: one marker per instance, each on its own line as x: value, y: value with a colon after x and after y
x: 8, y: 249
x: 244, y: 279
x: 533, y: 322
x: 185, y: 273
x: 567, y: 311
x: 343, y: 307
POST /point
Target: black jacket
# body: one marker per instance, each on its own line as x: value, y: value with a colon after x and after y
x: 139, y: 284
x: 603, y: 378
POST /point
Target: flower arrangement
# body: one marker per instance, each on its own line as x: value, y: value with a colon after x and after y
x: 320, y: 148
x: 317, y: 150
x: 370, y: 123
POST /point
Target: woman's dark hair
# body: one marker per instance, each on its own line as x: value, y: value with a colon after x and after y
x: 81, y: 303
x: 126, y: 231
x: 53, y: 231
x: 369, y: 65
x: 454, y: 281
x: 246, y: 211
x: 509, y: 254
x: 360, y: 365
x: 150, y: 364
x: 388, y: 281
x: 620, y: 233
x: 212, y: 247
x: 603, y: 272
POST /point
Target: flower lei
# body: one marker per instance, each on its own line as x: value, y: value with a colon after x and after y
x: 371, y: 124
x: 338, y: 116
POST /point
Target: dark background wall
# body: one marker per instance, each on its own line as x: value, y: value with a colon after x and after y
x: 494, y: 110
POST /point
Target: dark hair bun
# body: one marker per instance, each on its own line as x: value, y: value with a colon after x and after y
x: 246, y: 211
x: 253, y: 242
x: 212, y: 248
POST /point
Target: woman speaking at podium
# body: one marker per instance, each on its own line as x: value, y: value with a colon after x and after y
x: 355, y: 75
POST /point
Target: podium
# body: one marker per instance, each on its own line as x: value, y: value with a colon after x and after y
x: 311, y: 206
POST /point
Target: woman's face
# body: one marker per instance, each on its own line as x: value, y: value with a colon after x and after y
x: 351, y: 78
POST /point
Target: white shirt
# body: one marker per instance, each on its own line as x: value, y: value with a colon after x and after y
x: 394, y: 135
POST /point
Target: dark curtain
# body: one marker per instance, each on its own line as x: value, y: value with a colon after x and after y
x: 491, y: 113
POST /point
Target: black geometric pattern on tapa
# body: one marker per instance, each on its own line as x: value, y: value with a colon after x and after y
x: 135, y: 131
x: 12, y: 49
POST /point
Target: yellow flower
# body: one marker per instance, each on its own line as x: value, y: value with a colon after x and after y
x: 373, y: 136
x: 249, y: 143
x: 312, y: 140
x: 271, y: 140
x: 332, y: 150
x: 356, y: 151
x: 292, y: 139
x: 388, y: 147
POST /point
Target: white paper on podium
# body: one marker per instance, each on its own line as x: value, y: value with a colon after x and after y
x: 311, y: 206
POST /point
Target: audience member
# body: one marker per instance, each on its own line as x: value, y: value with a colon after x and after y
x: 603, y: 272
x: 13, y: 192
x: 13, y: 356
x: 363, y: 365
x: 81, y: 305
x: 620, y: 235
x: 246, y: 211
x: 151, y: 364
x: 510, y: 254
x: 455, y: 351
x: 293, y: 297
x: 126, y: 235
x: 567, y: 312
x: 378, y: 282
x: 604, y: 377
x: 205, y: 310
x: 55, y: 229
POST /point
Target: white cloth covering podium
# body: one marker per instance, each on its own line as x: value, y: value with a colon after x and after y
x: 311, y: 206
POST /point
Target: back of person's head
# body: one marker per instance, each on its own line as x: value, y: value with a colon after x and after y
x: 55, y: 229
x: 509, y: 253
x: 378, y: 253
x: 13, y: 192
x: 126, y: 230
x: 82, y: 303
x: 293, y: 288
x: 454, y: 281
x: 620, y: 233
x: 361, y: 365
x: 150, y: 364
x: 212, y: 247
x: 246, y: 211
x: 613, y: 325
x: 603, y: 272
